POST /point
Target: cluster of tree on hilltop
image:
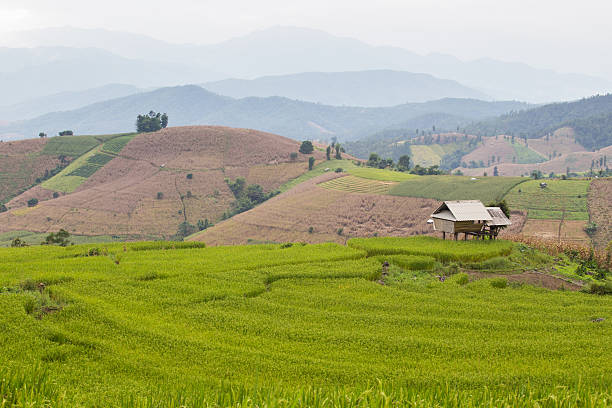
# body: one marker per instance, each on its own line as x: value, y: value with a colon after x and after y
x: 590, y: 117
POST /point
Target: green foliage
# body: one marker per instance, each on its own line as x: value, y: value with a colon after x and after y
x: 599, y: 288
x: 328, y: 153
x: 66, y: 133
x: 247, y: 196
x: 499, y: 283
x: 32, y: 202
x: 338, y: 170
x: 461, y: 279
x: 306, y: 147
x: 202, y: 225
x: 338, y: 155
x: 189, y: 176
x: 591, y: 229
x: 60, y: 238
x: 503, y: 205
x: 311, y: 162
x: 71, y: 146
x: 159, y: 195
x: 3, y: 208
x: 293, y: 156
x: 151, y: 122
x: 184, y: 230
x: 379, y: 174
x: 526, y: 155
x: 457, y: 188
x: 18, y: 242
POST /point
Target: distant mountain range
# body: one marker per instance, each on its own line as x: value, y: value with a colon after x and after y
x: 65, y: 101
x: 193, y: 105
x: 362, y: 88
x: 91, y: 58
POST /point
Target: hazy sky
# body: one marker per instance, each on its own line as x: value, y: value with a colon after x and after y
x: 568, y: 36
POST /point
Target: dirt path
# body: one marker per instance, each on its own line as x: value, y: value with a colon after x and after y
x: 534, y: 278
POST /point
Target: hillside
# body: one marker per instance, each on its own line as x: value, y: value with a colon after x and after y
x: 139, y: 185
x: 192, y: 105
x: 365, y: 202
x: 590, y: 118
x: 361, y: 88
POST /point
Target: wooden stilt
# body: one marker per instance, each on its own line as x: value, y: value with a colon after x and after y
x: 456, y: 234
x: 443, y: 234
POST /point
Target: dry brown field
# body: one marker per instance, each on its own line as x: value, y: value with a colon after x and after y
x: 577, y: 162
x: 332, y: 215
x: 121, y: 198
x: 600, y: 210
x: 21, y: 164
x: 567, y: 230
x: 562, y: 142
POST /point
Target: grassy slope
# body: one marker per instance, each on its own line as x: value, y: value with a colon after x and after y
x: 548, y: 203
x: 159, y: 322
x: 526, y: 155
x: 486, y: 189
x: 65, y: 181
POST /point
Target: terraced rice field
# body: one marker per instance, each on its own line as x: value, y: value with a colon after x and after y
x: 165, y: 324
x: 560, y: 196
x: 424, y: 156
x: 353, y: 184
x: 441, y: 188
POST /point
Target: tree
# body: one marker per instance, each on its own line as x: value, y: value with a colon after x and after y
x: 403, y: 163
x: 311, y: 162
x: 328, y: 153
x: 293, y: 156
x: 306, y: 147
x: 338, y: 155
x: 151, y: 122
x: 202, y: 225
x: 66, y: 133
x: 3, y: 208
x: 32, y: 202
x: 495, y: 171
x: 42, y: 135
x: 18, y: 242
x: 60, y: 238
x: 236, y: 186
x: 502, y: 206
x: 160, y: 195
x: 255, y: 193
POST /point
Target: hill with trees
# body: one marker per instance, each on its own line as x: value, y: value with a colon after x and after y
x: 591, y: 119
x: 193, y: 105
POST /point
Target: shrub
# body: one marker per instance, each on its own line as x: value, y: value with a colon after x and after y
x: 599, y: 288
x: 293, y: 156
x: 590, y: 229
x: 189, y: 195
x: 306, y: 147
x: 461, y: 278
x: 59, y: 238
x: 340, y: 231
x: 55, y: 194
x: 32, y: 202
x: 410, y: 262
x: 189, y: 176
x: 18, y: 242
x: 160, y: 195
x: 311, y: 162
x: 339, y: 170
x: 499, y: 283
x: 3, y: 208
x: 310, y: 230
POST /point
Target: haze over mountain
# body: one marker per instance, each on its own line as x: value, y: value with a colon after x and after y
x: 65, y: 101
x: 193, y: 105
x: 363, y: 88
x: 282, y: 51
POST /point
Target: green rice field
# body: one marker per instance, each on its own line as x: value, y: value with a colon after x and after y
x: 165, y: 324
x: 569, y: 196
x: 485, y: 189
x: 353, y: 184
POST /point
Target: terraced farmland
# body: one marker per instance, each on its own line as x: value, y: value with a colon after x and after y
x: 569, y: 196
x: 178, y: 325
x: 353, y: 184
x: 485, y: 189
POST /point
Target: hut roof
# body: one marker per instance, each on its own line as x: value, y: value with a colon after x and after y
x: 499, y: 218
x: 462, y: 210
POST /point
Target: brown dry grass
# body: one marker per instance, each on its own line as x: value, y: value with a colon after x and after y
x: 600, y: 210
x: 121, y: 197
x: 289, y: 216
x: 21, y: 164
x: 568, y: 231
x: 577, y: 162
x: 562, y: 141
x: 491, y: 147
